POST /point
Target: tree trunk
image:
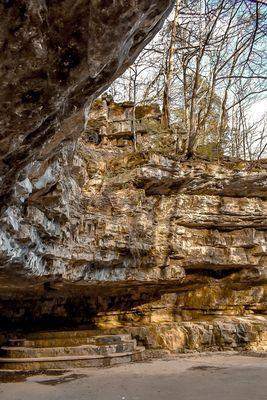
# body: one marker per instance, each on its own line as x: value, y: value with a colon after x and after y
x: 169, y: 69
x: 134, y: 110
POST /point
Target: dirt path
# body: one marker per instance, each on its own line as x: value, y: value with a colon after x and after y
x: 216, y: 377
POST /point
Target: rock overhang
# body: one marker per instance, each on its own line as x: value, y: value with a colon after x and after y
x: 125, y: 236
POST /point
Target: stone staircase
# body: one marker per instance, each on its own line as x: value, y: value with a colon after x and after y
x: 68, y: 349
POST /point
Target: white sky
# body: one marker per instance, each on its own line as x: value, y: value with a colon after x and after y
x: 258, y: 109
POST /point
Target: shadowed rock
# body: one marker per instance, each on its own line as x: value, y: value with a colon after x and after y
x: 91, y: 231
x: 55, y: 57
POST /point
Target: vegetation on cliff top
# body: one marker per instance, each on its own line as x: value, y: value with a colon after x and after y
x: 206, y: 68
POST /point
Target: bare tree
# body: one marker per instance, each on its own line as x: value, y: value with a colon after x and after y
x: 168, y: 73
x: 206, y: 68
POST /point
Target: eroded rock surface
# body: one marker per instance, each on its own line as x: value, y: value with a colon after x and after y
x: 123, y: 228
x: 56, y: 56
x: 93, y: 232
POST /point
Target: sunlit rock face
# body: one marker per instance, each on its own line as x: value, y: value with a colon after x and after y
x: 55, y: 57
x: 93, y: 232
x: 174, y: 253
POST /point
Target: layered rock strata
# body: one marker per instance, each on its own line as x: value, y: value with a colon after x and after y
x: 56, y: 57
x: 94, y: 232
x: 141, y: 224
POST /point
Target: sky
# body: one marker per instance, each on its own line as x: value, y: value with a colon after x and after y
x: 258, y: 109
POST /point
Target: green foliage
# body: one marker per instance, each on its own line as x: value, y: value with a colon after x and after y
x: 209, y: 150
x: 161, y: 138
x: 146, y: 109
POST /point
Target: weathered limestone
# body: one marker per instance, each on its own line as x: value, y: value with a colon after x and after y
x: 55, y: 57
x: 92, y: 232
x: 145, y: 224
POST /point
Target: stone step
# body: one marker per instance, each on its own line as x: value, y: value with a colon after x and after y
x: 68, y: 341
x: 73, y: 334
x: 63, y: 362
x: 92, y: 349
x: 61, y: 334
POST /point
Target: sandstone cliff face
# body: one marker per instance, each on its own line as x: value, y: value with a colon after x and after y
x: 93, y: 232
x: 194, y: 228
x: 138, y: 225
x: 55, y: 57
